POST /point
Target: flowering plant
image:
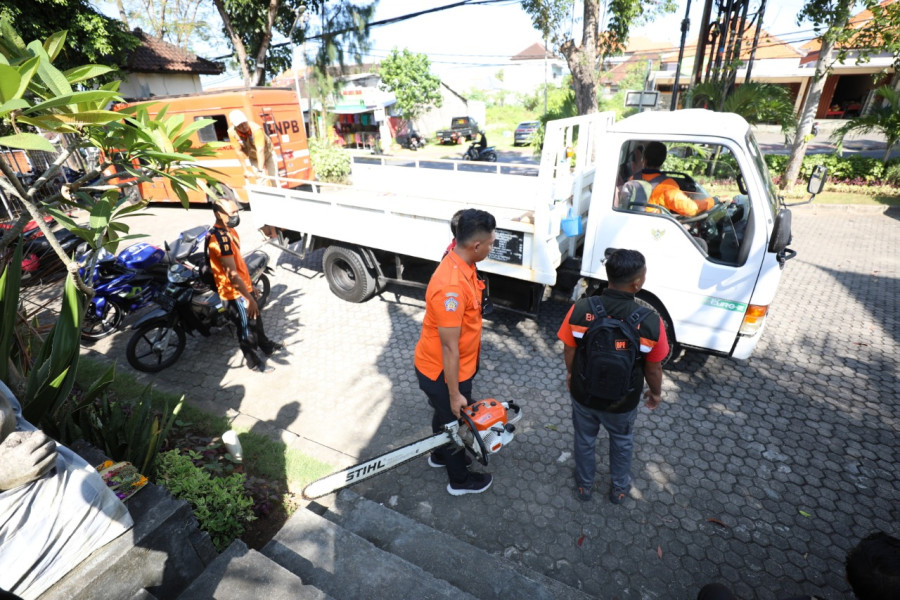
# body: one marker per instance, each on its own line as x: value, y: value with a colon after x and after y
x: 122, y: 478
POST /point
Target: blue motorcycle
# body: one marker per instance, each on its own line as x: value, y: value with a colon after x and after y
x: 131, y: 281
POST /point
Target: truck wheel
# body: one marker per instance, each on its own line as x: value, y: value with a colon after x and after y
x: 674, y: 349
x: 347, y: 275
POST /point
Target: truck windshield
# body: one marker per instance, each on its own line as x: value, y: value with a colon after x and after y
x: 760, y: 163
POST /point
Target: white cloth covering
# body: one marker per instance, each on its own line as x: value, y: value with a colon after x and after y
x: 48, y: 526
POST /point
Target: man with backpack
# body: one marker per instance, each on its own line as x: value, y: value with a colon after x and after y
x: 612, y: 345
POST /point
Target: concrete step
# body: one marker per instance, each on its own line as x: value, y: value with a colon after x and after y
x: 466, y: 567
x: 345, y: 566
x: 240, y: 573
x: 160, y: 556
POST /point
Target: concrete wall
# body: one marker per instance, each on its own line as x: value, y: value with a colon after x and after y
x: 145, y: 85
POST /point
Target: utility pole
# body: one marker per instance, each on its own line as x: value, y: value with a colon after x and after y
x: 685, y: 25
x: 301, y: 19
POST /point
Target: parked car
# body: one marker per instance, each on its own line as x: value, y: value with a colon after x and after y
x: 525, y: 132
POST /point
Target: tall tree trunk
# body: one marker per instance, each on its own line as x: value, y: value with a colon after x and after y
x: 259, y: 75
x: 582, y: 60
x: 808, y: 115
x: 122, y: 15
x: 161, y: 33
x: 236, y: 41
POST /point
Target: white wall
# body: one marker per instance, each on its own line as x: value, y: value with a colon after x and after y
x: 145, y: 85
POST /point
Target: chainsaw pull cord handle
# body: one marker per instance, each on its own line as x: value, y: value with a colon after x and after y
x: 483, y: 458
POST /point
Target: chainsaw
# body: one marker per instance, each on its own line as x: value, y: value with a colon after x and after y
x: 484, y: 427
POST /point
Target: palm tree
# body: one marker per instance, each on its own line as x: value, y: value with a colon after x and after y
x: 884, y: 119
x: 756, y: 102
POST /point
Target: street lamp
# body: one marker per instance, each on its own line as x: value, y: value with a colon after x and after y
x: 301, y: 19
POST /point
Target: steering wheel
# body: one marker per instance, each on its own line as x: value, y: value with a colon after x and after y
x: 482, y: 449
x: 719, y: 205
x: 643, y: 206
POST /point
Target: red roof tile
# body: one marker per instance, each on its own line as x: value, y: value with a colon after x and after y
x: 157, y: 56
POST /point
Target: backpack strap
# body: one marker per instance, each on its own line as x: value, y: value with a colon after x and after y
x: 597, y: 307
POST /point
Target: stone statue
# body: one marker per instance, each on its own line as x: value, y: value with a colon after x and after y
x: 55, y: 509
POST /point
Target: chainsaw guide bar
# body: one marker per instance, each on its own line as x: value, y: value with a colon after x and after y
x: 487, y: 426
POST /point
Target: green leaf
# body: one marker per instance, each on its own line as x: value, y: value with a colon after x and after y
x: 54, y: 43
x: 9, y: 303
x: 26, y: 72
x: 51, y: 76
x: 100, y: 215
x: 102, y: 97
x: 14, y: 104
x: 27, y: 141
x: 9, y: 83
x: 85, y: 72
x: 805, y: 514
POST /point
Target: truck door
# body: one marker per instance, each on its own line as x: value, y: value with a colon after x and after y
x: 695, y: 222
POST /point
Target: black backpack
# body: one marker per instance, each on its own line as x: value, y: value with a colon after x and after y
x: 206, y: 273
x: 611, y: 348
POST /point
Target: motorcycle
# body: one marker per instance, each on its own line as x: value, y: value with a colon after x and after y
x: 476, y: 152
x: 129, y: 282
x: 186, y: 305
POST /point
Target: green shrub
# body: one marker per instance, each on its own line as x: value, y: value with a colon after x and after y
x: 892, y: 174
x: 853, y: 168
x: 331, y: 162
x: 221, y: 505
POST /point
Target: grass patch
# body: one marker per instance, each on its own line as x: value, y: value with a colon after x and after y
x: 502, y: 121
x: 263, y: 456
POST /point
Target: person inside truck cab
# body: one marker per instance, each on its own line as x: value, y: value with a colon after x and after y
x: 253, y: 147
x: 665, y: 190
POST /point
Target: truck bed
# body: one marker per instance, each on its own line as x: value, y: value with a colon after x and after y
x: 408, y: 211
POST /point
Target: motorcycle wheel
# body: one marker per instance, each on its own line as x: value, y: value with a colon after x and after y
x: 95, y: 328
x: 263, y: 287
x: 147, y: 351
x: 491, y: 157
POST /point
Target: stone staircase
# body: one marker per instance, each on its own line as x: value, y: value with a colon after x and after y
x: 350, y: 548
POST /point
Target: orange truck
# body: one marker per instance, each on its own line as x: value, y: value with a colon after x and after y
x: 276, y: 109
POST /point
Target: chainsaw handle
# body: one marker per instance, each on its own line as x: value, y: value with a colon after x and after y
x: 483, y: 459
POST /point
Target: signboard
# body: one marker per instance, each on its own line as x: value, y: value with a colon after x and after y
x: 644, y: 99
x: 509, y: 247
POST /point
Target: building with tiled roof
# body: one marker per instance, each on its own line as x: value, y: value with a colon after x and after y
x: 850, y: 88
x: 158, y: 68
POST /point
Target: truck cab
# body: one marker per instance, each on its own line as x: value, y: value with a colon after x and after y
x: 711, y: 275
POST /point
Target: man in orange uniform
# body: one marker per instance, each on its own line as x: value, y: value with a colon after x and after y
x: 666, y: 192
x: 447, y: 353
x: 235, y: 286
x: 253, y: 147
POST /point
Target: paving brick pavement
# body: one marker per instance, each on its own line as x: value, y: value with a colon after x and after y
x: 758, y: 474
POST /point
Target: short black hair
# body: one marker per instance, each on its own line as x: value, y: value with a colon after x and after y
x: 622, y: 266
x: 655, y: 154
x: 454, y: 221
x: 472, y: 223
x: 873, y: 567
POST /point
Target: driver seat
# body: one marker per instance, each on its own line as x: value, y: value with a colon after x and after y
x: 635, y: 195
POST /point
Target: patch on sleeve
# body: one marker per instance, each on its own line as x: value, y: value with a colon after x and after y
x: 451, y: 303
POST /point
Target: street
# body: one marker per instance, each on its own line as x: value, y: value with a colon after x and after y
x: 759, y: 474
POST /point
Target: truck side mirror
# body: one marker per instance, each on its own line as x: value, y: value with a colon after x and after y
x: 817, y: 179
x: 781, y: 232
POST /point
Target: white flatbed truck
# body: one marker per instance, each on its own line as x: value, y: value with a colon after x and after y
x: 711, y: 277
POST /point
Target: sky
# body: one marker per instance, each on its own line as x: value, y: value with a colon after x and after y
x: 484, y: 35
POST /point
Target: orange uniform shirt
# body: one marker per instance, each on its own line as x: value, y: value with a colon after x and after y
x: 227, y: 242
x: 667, y: 193
x: 453, y: 299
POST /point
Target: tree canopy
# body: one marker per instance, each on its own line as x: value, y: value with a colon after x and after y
x: 92, y: 37
x: 600, y: 37
x: 408, y: 76
x: 340, y: 26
